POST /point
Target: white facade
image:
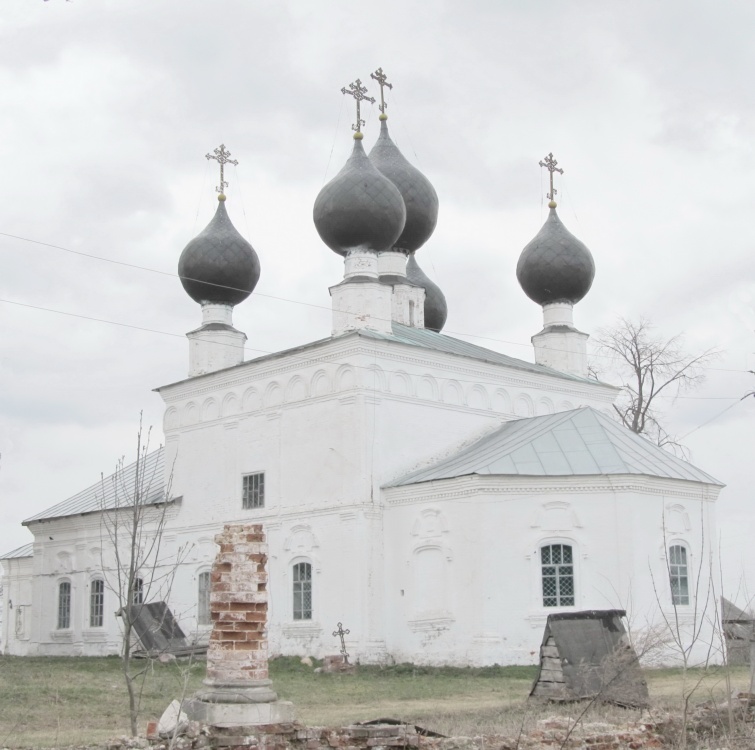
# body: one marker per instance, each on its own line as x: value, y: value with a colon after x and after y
x: 443, y: 571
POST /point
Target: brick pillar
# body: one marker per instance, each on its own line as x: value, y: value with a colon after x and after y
x: 237, y: 690
x: 238, y: 606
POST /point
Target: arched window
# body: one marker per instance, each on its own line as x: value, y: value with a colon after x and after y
x: 97, y: 603
x: 203, y: 599
x: 137, y: 592
x: 557, y: 568
x: 677, y: 568
x: 302, y: 579
x: 64, y: 605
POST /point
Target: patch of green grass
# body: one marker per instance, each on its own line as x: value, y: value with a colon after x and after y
x: 53, y: 702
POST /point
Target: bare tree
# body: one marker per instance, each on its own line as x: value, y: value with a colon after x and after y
x: 650, y: 366
x: 136, y: 505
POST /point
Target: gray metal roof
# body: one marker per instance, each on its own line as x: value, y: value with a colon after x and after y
x: 578, y: 442
x: 113, y: 491
x: 439, y: 342
x: 26, y: 550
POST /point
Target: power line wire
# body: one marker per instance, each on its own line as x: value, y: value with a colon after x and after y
x: 136, y: 266
x: 307, y: 361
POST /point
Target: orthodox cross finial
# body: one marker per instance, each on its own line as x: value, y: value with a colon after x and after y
x: 358, y: 92
x: 552, y: 166
x: 221, y: 155
x: 340, y: 633
x: 382, y: 79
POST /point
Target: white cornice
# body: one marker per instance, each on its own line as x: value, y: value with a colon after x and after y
x: 334, y: 351
x: 473, y: 486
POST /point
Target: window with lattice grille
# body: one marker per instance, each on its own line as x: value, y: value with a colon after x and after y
x: 97, y: 603
x: 137, y: 592
x: 302, y: 591
x: 203, y: 599
x: 64, y: 605
x: 557, y: 567
x: 253, y: 491
x: 677, y: 566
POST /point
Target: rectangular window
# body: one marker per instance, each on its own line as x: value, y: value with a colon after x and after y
x: 302, y: 591
x: 64, y: 605
x: 253, y: 491
x: 203, y: 599
x: 97, y: 603
x: 557, y: 569
x: 677, y: 566
x: 137, y: 592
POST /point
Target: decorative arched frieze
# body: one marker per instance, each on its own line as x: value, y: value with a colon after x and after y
x: 565, y: 406
x: 251, y: 400
x: 375, y: 378
x: 171, y: 419
x: 210, y: 410
x: 230, y: 405
x: 501, y: 402
x: 523, y: 406
x: 273, y: 395
x: 477, y: 397
x: 401, y: 384
x: 296, y: 390
x: 346, y: 379
x: 190, y: 414
x: 427, y: 388
x: 544, y: 406
x: 320, y: 384
x: 452, y: 393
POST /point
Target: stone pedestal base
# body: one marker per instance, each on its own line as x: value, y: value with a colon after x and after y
x: 239, y: 714
x: 247, y: 703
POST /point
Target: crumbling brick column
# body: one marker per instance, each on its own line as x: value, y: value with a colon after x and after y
x: 238, y: 606
x: 237, y: 673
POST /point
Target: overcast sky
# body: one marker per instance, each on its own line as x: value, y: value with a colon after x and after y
x: 107, y: 109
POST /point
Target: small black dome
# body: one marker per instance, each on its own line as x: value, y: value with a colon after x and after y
x: 436, y: 309
x: 555, y: 266
x: 418, y: 193
x: 359, y: 208
x: 219, y: 266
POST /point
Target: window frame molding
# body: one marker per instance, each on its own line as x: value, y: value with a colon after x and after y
x: 666, y: 557
x: 68, y: 628
x: 537, y: 574
x: 90, y: 585
x: 302, y: 560
x: 257, y: 473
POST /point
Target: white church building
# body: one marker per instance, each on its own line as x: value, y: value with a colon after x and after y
x: 438, y: 498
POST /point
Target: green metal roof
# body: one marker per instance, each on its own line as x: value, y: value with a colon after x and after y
x: 578, y: 442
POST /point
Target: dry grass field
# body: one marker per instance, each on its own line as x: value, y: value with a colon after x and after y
x: 58, y: 702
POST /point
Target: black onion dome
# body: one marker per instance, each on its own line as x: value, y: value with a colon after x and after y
x: 219, y: 266
x: 359, y: 208
x: 418, y: 193
x: 436, y: 309
x: 555, y: 266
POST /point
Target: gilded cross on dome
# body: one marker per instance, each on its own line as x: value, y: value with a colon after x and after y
x: 552, y: 166
x: 221, y: 156
x: 382, y: 80
x: 358, y: 92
